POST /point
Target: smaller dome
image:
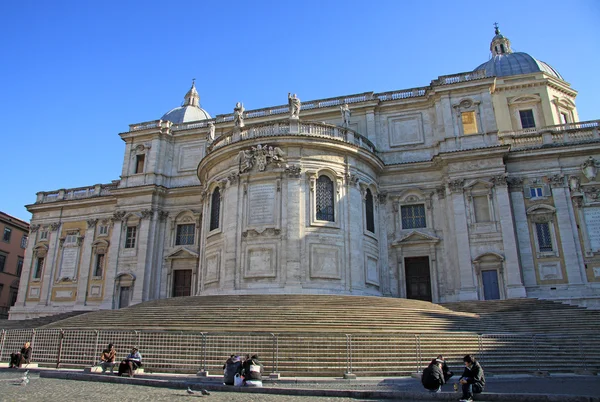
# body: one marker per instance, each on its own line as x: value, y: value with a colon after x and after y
x: 503, y: 65
x: 189, y: 111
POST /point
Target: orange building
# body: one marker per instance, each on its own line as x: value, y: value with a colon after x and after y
x: 13, y: 241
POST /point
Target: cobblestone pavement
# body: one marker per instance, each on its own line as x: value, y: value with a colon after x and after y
x: 47, y: 389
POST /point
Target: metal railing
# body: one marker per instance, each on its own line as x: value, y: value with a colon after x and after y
x: 316, y: 354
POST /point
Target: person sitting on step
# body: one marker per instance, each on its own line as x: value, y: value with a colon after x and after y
x: 132, y: 362
x: 253, y: 369
x: 232, y: 366
x: 472, y: 379
x: 107, y: 359
x: 22, y: 357
x: 445, y: 369
x: 433, y: 377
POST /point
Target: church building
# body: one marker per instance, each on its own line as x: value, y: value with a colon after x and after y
x: 481, y: 185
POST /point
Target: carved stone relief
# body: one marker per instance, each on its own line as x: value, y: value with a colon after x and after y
x: 260, y: 156
x: 590, y: 168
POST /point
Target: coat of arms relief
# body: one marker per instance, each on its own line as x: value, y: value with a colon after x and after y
x: 260, y: 156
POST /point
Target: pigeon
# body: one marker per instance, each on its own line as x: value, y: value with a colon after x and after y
x: 205, y: 392
x: 25, y: 378
x: 190, y: 392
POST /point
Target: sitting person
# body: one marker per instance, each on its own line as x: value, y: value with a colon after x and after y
x: 22, y: 357
x: 232, y: 366
x: 472, y: 379
x: 107, y: 359
x: 132, y: 362
x: 252, y: 370
x: 445, y: 369
x: 433, y: 377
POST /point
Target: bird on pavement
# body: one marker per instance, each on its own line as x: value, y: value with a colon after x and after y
x: 205, y: 392
x: 190, y: 392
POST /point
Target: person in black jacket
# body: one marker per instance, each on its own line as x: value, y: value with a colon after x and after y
x: 23, y: 357
x: 472, y: 379
x: 433, y: 377
x: 253, y: 369
x: 232, y: 366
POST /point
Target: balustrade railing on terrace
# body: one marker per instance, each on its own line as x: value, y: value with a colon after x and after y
x: 293, y: 128
x: 306, y: 354
x: 76, y: 193
x: 556, y: 134
x: 317, y: 104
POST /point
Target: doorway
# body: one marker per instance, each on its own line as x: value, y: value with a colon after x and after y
x: 491, y: 290
x: 418, y: 278
x: 182, y: 282
x: 123, y: 296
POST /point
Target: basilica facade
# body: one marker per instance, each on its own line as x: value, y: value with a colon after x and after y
x: 481, y: 185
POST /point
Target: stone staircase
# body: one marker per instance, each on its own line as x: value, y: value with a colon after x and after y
x: 323, y: 335
x: 36, y: 322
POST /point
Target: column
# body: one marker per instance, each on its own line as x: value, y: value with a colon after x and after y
x: 514, y: 284
x: 86, y: 263
x: 231, y: 221
x: 50, y: 263
x: 564, y: 214
x: 353, y: 222
x: 468, y: 290
x: 522, y: 228
x: 382, y: 219
x: 112, y: 264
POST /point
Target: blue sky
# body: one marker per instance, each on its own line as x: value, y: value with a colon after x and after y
x: 76, y: 73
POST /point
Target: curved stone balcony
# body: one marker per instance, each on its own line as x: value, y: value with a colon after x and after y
x: 292, y: 128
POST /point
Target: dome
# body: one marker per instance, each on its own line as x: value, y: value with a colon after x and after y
x: 189, y: 111
x: 505, y: 62
x: 503, y: 65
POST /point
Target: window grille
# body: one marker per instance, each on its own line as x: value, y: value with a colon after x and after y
x: 99, y: 265
x: 185, y: 234
x: 413, y: 216
x: 215, y: 209
x: 39, y: 265
x: 544, y: 237
x: 369, y: 211
x: 6, y: 236
x: 325, y: 198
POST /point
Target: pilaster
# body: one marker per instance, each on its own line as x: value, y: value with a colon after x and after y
x: 565, y: 218
x: 86, y: 262
x: 48, y: 277
x: 112, y: 265
x: 145, y: 243
x: 514, y: 283
x: 522, y: 228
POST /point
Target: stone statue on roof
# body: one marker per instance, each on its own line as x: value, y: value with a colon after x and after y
x: 238, y: 115
x: 211, y: 131
x: 345, y: 115
x: 295, y: 105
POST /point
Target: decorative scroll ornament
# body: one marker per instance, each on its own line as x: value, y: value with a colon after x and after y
x: 162, y: 215
x: 499, y: 180
x: 260, y: 156
x: 91, y: 223
x: 54, y: 226
x: 441, y: 192
x: 382, y: 197
x: 34, y: 228
x: 592, y: 193
x: 456, y: 185
x: 590, y: 168
x: 352, y: 179
x: 558, y: 180
x: 119, y: 215
x: 147, y: 213
x: 515, y: 183
x: 233, y: 178
x: 293, y: 170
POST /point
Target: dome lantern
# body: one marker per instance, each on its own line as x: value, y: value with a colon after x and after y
x: 500, y: 44
x: 189, y: 111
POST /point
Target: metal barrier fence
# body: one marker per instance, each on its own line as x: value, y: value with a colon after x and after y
x: 317, y: 354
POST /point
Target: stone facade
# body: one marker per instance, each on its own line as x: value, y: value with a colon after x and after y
x: 473, y: 187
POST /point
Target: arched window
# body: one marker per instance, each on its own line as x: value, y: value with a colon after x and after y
x: 325, y: 211
x: 215, y: 209
x: 369, y: 211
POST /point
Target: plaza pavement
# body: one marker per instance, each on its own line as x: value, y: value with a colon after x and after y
x: 74, y: 385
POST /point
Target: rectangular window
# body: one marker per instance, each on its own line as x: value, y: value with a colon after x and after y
x: 13, y: 296
x: 39, y: 265
x: 44, y: 235
x: 536, y: 192
x: 2, y: 262
x: 130, y: 236
x: 71, y: 237
x: 413, y: 216
x: 7, y: 233
x: 185, y: 234
x: 103, y: 230
x: 469, y: 123
x: 564, y: 118
x: 19, y: 266
x: 139, y: 163
x: 482, y: 208
x: 527, y: 120
x: 24, y: 241
x: 99, y: 265
x: 544, y: 237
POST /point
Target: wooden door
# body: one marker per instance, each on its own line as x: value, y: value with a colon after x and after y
x: 182, y: 282
x: 418, y: 278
